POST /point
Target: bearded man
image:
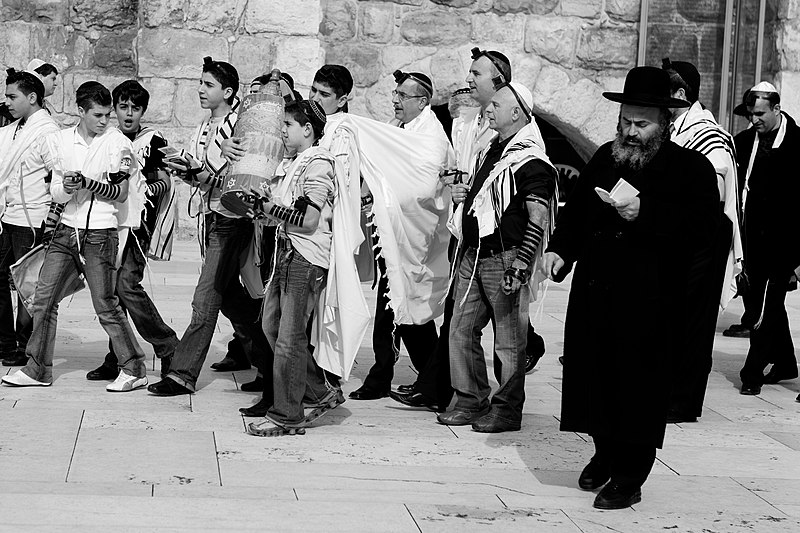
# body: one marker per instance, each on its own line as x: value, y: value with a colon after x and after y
x: 632, y: 258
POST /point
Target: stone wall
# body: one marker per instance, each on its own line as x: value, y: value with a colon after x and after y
x: 787, y: 55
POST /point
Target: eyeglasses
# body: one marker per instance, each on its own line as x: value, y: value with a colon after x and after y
x: 520, y: 101
x: 403, y: 96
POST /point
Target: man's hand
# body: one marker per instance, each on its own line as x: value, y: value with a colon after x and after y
x: 628, y: 209
x: 552, y: 264
x: 512, y: 282
x: 72, y: 181
x: 458, y: 192
x: 234, y: 148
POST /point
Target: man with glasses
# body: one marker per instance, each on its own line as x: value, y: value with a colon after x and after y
x: 765, y: 154
x: 411, y: 101
x: 500, y: 221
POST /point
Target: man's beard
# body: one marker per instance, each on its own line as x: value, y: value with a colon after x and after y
x: 635, y: 156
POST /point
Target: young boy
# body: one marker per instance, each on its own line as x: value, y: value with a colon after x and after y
x: 23, y: 170
x: 130, y: 103
x: 303, y: 204
x: 92, y: 166
x: 226, y: 237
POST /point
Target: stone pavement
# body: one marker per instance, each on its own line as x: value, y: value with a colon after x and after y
x: 76, y: 458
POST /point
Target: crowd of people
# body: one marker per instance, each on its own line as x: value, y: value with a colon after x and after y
x: 666, y: 223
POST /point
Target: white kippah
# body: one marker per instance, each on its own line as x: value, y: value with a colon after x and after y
x: 34, y: 64
x: 764, y: 87
x: 524, y: 93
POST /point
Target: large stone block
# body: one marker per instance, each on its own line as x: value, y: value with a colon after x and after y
x: 399, y: 57
x: 378, y: 99
x: 600, y: 47
x: 15, y: 46
x: 287, y: 17
x: 106, y: 14
x: 402, y: 2
x: 187, y: 110
x: 300, y: 57
x: 114, y: 52
x: 454, y: 3
x: 537, y: 7
x: 157, y: 13
x: 553, y: 38
x: 40, y: 11
x: 363, y: 60
x: 493, y: 28
x: 625, y: 10
x: 162, y: 98
x: 177, y: 53
x: 214, y: 16
x: 55, y: 44
x: 253, y: 55
x: 437, y: 27
x: 376, y: 22
x: 338, y: 19
x: 449, y: 68
x: 526, y: 68
x: 581, y: 8
x: 788, y: 83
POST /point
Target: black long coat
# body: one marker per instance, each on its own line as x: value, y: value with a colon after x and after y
x: 627, y: 301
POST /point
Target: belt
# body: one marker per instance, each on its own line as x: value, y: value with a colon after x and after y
x: 485, y: 253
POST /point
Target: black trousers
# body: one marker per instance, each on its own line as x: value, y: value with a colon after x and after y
x: 770, y: 341
x: 628, y: 463
x: 419, y: 340
x: 706, y: 279
x: 433, y: 381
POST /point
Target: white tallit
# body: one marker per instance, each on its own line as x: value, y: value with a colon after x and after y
x: 698, y: 130
x: 401, y: 168
x: 471, y: 135
x: 39, y: 125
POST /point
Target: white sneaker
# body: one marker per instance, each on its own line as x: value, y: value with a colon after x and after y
x: 21, y: 379
x: 126, y: 383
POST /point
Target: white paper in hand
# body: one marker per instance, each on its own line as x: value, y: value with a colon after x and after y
x: 621, y: 191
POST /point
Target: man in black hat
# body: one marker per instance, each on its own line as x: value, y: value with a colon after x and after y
x: 633, y: 249
x: 766, y: 154
x: 712, y: 272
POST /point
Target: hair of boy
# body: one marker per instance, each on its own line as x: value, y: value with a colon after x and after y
x: 92, y: 93
x: 224, y: 73
x: 308, y: 112
x: 46, y: 69
x: 336, y: 77
x: 131, y: 91
x: 26, y: 83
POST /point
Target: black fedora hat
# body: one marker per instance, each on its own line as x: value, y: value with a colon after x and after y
x: 646, y: 87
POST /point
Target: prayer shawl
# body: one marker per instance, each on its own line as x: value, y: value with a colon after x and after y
x: 471, y: 135
x: 342, y: 316
x: 494, y: 196
x: 161, y: 240
x: 38, y: 126
x: 106, y: 152
x: 697, y: 130
x: 401, y: 168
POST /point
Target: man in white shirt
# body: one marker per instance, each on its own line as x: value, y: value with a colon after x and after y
x: 92, y: 166
x: 24, y: 180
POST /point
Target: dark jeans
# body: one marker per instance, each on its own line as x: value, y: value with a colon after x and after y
x: 484, y: 301
x: 629, y: 463
x: 15, y: 241
x: 706, y: 278
x: 99, y: 250
x: 418, y: 338
x: 291, y: 298
x: 770, y: 341
x: 233, y: 301
x: 140, y: 308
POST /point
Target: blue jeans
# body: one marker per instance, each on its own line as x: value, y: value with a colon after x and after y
x: 485, y: 301
x: 234, y: 302
x: 15, y: 241
x: 296, y: 287
x: 137, y: 303
x: 61, y: 264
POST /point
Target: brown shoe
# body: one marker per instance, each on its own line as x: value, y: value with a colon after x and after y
x: 457, y: 417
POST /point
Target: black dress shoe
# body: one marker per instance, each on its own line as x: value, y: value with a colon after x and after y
x: 776, y: 375
x: 260, y: 408
x: 738, y: 331
x: 416, y: 399
x: 364, y: 393
x: 257, y: 385
x: 166, y: 362
x: 406, y: 389
x: 534, y: 350
x: 492, y: 424
x: 229, y: 364
x: 750, y: 389
x: 456, y: 417
x: 168, y: 387
x: 798, y: 398
x: 593, y: 476
x: 19, y: 359
x: 103, y: 373
x: 614, y: 496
